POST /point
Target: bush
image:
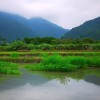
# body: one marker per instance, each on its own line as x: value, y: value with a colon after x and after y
x: 45, y: 47
x: 96, y: 46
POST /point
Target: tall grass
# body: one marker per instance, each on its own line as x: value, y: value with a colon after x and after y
x: 9, y: 68
x: 58, y: 63
x: 15, y: 55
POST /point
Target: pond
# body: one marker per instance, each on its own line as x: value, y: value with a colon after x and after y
x: 79, y: 85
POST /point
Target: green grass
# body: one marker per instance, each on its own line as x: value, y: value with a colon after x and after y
x: 51, y: 60
x: 15, y: 55
x: 58, y: 63
x: 9, y: 68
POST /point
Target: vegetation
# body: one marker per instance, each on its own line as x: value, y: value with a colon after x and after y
x: 90, y: 29
x: 21, y: 59
x: 15, y: 55
x: 50, y: 43
x: 48, y: 61
x: 14, y: 27
x: 9, y: 68
x: 49, y: 54
x: 58, y: 63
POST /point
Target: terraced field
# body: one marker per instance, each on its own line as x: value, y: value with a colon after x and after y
x: 51, y: 60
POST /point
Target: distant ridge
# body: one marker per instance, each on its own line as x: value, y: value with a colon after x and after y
x: 44, y: 28
x: 89, y: 29
x: 14, y: 27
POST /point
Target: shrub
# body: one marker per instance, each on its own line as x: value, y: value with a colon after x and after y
x: 45, y: 47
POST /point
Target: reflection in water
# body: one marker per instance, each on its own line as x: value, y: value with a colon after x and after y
x: 50, y: 86
x: 64, y: 78
x: 93, y: 79
x: 18, y: 81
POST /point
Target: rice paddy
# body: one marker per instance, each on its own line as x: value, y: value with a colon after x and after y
x: 62, y: 61
x: 70, y: 63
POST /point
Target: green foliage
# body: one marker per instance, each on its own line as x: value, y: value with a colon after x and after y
x: 49, y: 61
x: 96, y: 46
x: 89, y: 29
x: 78, y: 61
x: 18, y: 45
x: 9, y: 68
x: 15, y: 55
x: 45, y: 47
x: 58, y: 63
x: 49, y: 43
x: 38, y: 40
x: 88, y: 40
x: 27, y: 40
x: 93, y: 61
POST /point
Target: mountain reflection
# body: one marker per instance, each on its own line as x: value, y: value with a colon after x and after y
x: 93, y: 79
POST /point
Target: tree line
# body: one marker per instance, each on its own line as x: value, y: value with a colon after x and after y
x: 50, y: 43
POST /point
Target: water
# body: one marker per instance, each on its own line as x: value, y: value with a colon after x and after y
x: 80, y: 85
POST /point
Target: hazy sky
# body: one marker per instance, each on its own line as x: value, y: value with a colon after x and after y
x: 66, y: 13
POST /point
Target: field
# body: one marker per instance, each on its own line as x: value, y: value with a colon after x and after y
x: 62, y: 61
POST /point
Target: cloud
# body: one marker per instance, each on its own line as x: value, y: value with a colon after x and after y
x: 66, y: 13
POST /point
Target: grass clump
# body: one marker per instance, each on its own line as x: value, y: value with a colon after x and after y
x: 9, y: 68
x: 78, y: 61
x: 56, y: 62
x: 14, y: 55
x: 93, y: 61
x: 53, y: 63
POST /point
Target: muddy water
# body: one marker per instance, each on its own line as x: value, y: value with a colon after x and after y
x: 80, y: 85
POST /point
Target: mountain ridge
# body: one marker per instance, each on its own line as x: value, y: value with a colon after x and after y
x: 46, y: 27
x: 89, y: 29
x: 13, y: 26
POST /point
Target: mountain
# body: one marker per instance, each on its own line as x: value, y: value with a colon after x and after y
x: 13, y: 27
x: 44, y: 28
x: 89, y: 29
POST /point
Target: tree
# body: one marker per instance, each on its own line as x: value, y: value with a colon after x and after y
x: 88, y: 40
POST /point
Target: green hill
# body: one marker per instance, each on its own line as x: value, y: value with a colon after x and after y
x: 89, y: 29
x: 14, y: 27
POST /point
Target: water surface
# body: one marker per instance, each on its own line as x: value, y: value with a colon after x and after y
x: 80, y: 85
